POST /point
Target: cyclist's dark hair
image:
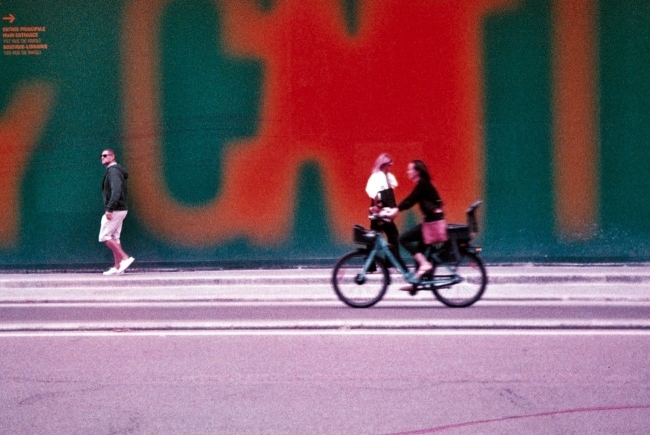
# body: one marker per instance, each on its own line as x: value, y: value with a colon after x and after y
x: 419, y: 166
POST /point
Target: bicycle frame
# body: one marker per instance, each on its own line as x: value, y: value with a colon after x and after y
x: 381, y: 247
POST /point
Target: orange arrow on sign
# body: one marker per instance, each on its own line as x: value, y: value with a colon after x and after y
x: 9, y: 18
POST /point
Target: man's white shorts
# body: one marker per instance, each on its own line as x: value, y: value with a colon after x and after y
x: 111, y: 229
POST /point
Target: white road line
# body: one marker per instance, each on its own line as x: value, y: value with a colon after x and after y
x: 369, y: 332
x: 335, y: 324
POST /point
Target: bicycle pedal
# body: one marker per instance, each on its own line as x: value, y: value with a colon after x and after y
x: 411, y: 289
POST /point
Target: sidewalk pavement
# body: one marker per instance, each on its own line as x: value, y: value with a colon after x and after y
x: 610, y: 282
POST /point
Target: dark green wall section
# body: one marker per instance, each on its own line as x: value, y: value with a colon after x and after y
x: 209, y: 99
x: 625, y: 125
x: 519, y: 212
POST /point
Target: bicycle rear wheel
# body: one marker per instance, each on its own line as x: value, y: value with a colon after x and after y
x: 353, y: 287
x: 474, y: 279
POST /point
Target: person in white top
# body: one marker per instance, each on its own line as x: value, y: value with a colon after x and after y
x: 380, y: 188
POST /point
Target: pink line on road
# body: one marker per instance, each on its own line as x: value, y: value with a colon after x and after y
x: 517, y: 417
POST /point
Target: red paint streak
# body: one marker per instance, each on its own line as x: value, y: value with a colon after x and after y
x: 520, y: 417
x: 576, y: 117
x: 20, y: 128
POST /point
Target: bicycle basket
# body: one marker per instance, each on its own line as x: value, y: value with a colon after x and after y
x: 363, y: 236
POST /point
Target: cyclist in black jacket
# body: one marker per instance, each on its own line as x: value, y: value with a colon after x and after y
x: 426, y: 196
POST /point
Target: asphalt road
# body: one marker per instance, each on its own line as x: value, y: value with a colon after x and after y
x: 256, y: 352
x: 325, y: 382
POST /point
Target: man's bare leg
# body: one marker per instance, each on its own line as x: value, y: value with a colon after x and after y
x: 118, y: 252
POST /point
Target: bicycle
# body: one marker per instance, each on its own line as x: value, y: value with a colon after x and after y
x: 458, y: 279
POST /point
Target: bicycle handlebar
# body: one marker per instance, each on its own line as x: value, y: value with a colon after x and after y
x: 380, y: 215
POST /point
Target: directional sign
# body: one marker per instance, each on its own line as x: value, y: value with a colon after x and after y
x: 9, y: 18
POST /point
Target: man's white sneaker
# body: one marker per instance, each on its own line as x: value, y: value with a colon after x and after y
x: 124, y: 264
x: 112, y: 271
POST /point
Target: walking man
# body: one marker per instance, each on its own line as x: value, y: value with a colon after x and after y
x: 115, y: 194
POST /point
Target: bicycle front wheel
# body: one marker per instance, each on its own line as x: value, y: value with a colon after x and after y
x: 471, y: 271
x: 357, y: 287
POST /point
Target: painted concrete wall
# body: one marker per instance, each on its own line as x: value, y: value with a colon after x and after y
x: 249, y: 127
